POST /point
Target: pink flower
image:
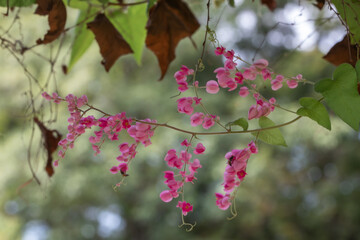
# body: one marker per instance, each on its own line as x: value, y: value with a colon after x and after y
x: 123, y: 167
x: 88, y: 121
x: 185, y: 207
x: 197, y: 100
x: 180, y: 76
x: 252, y: 147
x: 229, y: 64
x: 209, y: 121
x: 185, y: 105
x: 266, y: 74
x: 185, y: 143
x: 219, y: 51
x: 241, y: 174
x: 194, y: 165
x: 169, y: 175
x: 56, y: 98
x: 185, y: 156
x: 223, y: 202
x: 231, y: 84
x: 244, y: 91
x: 261, y: 64
x: 292, y: 83
x: 253, y: 112
x: 172, y: 159
x: 250, y: 73
x: 114, y: 170
x: 82, y: 101
x: 186, y: 70
x: 183, y: 86
x: 239, y: 78
x: 166, y: 196
x: 272, y: 100
x: 199, y: 149
x: 197, y: 119
x: 229, y: 54
x: 212, y: 87
x: 46, y: 96
x: 124, y: 147
x: 276, y: 85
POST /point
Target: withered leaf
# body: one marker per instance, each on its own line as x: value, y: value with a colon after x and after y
x: 51, y: 139
x: 342, y: 52
x: 57, y: 18
x: 319, y: 4
x: 271, y: 4
x: 169, y: 22
x: 112, y: 44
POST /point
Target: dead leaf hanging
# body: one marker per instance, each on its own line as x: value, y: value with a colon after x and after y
x: 57, y: 18
x: 51, y: 139
x: 342, y: 52
x: 112, y: 44
x: 169, y: 22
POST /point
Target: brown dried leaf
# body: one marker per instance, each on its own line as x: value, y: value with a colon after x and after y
x: 51, y: 139
x: 319, y: 4
x: 271, y: 4
x: 341, y: 52
x: 57, y: 18
x: 169, y: 22
x: 112, y: 44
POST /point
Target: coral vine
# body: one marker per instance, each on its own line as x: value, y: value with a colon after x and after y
x: 228, y: 77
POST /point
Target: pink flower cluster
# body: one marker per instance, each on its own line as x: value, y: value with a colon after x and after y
x: 77, y: 123
x: 198, y: 118
x: 181, y: 78
x: 229, y: 77
x: 142, y: 132
x: 262, y: 108
x: 128, y: 152
x: 276, y: 84
x: 179, y: 160
x: 235, y: 173
x: 185, y: 105
x: 110, y: 127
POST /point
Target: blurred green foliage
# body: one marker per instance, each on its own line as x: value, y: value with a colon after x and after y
x: 310, y: 190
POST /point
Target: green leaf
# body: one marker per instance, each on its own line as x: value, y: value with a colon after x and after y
x: 131, y: 26
x: 313, y: 109
x: 231, y: 3
x: 349, y: 11
x: 84, y: 4
x: 357, y: 69
x: 17, y: 3
x: 83, y: 39
x: 341, y: 94
x: 271, y: 136
x: 241, y: 122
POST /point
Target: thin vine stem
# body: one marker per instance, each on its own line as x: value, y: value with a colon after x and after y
x: 203, y: 133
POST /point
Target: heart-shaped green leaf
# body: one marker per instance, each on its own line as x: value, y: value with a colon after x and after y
x: 341, y: 94
x: 313, y: 109
x: 271, y: 136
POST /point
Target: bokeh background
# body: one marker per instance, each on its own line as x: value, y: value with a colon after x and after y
x: 309, y: 190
